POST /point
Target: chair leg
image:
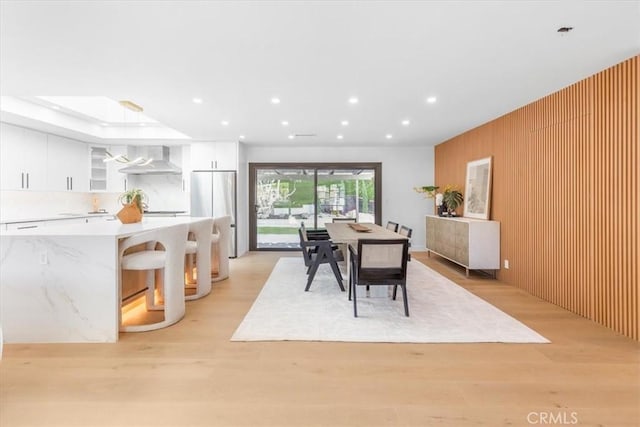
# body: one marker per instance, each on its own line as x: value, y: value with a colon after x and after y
x: 312, y: 274
x: 336, y: 272
x: 406, y: 303
x: 355, y: 306
x: 395, y: 290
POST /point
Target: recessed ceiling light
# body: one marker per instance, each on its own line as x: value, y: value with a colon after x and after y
x: 339, y: 136
x: 104, y: 124
x: 290, y: 137
x: 224, y: 123
x: 241, y: 137
x: 285, y: 123
x: 388, y: 136
x: 344, y: 123
x: 55, y: 107
x: 197, y: 100
x: 353, y: 100
x: 431, y: 99
x: 142, y: 124
x: 275, y: 100
x: 406, y: 122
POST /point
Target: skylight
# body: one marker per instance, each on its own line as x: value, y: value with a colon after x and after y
x: 97, y: 116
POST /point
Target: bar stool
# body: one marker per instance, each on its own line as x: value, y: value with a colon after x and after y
x: 170, y: 260
x: 220, y: 240
x: 200, y: 248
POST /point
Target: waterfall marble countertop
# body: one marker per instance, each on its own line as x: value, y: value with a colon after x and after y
x: 61, y: 283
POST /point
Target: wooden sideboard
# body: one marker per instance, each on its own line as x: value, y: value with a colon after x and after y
x: 472, y: 243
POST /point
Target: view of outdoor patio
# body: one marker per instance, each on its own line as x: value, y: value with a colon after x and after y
x: 285, y: 198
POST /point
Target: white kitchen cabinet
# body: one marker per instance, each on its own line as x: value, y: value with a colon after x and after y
x: 23, y: 153
x: 214, y: 155
x: 25, y: 225
x: 105, y: 176
x: 116, y: 181
x: 186, y: 168
x: 67, y: 166
x: 98, y: 171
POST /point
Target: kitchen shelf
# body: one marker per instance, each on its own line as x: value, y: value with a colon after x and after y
x: 98, y: 179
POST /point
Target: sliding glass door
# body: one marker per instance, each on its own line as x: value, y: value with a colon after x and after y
x: 284, y: 195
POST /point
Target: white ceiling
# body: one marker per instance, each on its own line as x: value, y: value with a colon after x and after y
x: 481, y: 59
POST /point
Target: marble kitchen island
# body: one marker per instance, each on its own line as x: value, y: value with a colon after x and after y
x: 61, y: 284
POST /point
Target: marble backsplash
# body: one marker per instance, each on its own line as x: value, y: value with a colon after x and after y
x: 164, y: 191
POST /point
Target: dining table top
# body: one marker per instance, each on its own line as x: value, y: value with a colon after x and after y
x: 347, y: 232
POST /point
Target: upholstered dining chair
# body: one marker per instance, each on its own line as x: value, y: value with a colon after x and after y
x: 406, y: 231
x: 379, y: 262
x: 316, y: 252
x: 170, y: 260
x: 393, y: 226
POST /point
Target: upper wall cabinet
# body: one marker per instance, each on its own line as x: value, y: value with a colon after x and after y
x: 23, y: 155
x: 116, y: 181
x: 67, y: 168
x: 214, y: 155
x: 105, y: 175
x: 98, y: 171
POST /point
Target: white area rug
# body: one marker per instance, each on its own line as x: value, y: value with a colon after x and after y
x: 440, y: 311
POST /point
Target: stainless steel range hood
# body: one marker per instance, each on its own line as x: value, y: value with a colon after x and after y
x: 160, y: 165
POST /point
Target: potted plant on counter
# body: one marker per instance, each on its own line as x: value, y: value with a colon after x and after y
x: 446, y: 202
x: 134, y: 203
x: 452, y: 198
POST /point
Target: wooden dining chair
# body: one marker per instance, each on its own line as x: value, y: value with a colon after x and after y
x: 316, y: 252
x: 406, y: 231
x: 379, y: 262
x: 315, y: 233
x: 393, y: 226
x: 344, y: 220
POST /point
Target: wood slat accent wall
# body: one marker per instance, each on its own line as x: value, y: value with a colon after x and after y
x: 566, y: 192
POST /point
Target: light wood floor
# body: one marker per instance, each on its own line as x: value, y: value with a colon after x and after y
x: 191, y: 374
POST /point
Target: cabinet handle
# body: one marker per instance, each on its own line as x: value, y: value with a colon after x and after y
x: 183, y: 184
x: 27, y: 179
x: 216, y: 164
x: 67, y: 183
x: 24, y: 227
x: 71, y: 183
x: 125, y: 184
x: 22, y: 184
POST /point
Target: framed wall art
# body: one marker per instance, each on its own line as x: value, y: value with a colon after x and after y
x: 477, y: 193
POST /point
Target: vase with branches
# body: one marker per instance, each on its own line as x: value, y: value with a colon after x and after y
x: 136, y: 196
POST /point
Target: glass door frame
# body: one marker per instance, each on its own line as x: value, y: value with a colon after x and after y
x: 253, y: 175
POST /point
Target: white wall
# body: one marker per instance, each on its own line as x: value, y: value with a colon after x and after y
x: 402, y: 170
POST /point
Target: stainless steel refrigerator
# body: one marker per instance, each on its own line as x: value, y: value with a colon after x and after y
x: 213, y: 194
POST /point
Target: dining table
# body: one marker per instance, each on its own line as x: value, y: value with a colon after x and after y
x: 348, y: 233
